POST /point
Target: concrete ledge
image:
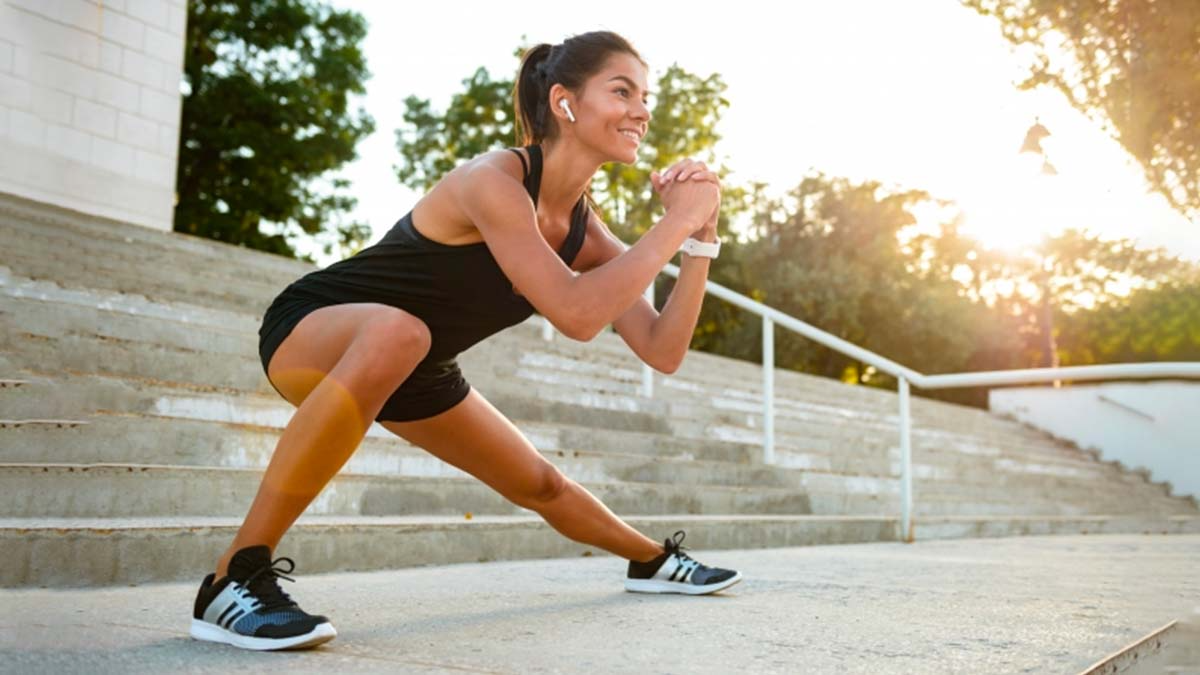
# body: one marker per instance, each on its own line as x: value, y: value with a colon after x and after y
x: 82, y: 552
x: 967, y: 527
x: 1146, y: 655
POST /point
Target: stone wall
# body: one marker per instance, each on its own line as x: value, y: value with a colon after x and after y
x: 90, y: 104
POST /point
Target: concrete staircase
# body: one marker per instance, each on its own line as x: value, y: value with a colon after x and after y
x: 135, y: 421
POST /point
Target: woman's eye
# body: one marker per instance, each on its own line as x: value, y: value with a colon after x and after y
x: 623, y: 91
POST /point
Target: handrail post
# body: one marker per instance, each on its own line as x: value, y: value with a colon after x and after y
x: 647, y: 371
x: 768, y: 390
x: 906, y: 501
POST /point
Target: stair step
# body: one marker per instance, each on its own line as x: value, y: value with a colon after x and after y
x: 125, y: 491
x: 86, y: 552
x: 80, y: 397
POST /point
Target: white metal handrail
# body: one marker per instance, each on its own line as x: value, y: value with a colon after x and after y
x: 905, y: 376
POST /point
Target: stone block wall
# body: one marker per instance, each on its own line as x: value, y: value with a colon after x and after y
x: 90, y: 104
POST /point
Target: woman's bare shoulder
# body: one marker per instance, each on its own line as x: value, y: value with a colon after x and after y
x: 504, y: 160
x: 440, y: 212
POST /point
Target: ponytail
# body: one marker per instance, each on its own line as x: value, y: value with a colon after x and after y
x: 531, y: 94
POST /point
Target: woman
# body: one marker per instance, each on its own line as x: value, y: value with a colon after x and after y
x: 373, y: 337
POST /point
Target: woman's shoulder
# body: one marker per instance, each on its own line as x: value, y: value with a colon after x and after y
x: 505, y: 160
x: 482, y: 171
x: 444, y: 212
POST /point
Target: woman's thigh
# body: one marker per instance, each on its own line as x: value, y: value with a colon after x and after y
x: 478, y: 439
x: 323, y: 338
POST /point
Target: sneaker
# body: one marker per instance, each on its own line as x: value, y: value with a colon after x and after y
x: 247, y: 609
x: 676, y: 572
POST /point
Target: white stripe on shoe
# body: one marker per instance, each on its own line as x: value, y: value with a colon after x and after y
x: 234, y: 599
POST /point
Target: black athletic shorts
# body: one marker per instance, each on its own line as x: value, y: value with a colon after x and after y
x: 433, y: 387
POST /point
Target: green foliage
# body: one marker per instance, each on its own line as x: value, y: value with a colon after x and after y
x: 264, y: 117
x: 1151, y: 324
x: 1039, y: 289
x: 1158, y: 321
x: 830, y: 254
x: 1130, y: 65
x: 478, y: 120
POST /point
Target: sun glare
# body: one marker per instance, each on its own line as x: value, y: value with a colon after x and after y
x: 1022, y: 205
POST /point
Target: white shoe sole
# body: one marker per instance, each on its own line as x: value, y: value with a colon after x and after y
x: 203, y: 630
x: 660, y: 586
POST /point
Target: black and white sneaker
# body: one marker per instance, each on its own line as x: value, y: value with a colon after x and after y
x: 247, y: 609
x: 676, y: 572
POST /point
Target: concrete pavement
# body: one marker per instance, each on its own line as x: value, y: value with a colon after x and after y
x: 1021, y: 604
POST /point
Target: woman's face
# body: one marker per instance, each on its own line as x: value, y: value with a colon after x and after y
x: 612, y: 112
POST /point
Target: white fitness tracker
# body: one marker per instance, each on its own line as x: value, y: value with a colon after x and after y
x: 701, y: 249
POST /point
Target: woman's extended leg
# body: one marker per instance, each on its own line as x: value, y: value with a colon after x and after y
x: 330, y: 368
x: 478, y: 439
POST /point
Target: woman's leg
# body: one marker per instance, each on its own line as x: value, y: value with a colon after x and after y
x: 330, y: 368
x: 478, y: 439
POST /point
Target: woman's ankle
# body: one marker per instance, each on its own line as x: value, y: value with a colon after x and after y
x: 223, y: 565
x: 227, y: 557
x: 647, y: 558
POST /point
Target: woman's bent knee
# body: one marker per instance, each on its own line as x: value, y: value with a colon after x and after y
x: 397, y: 330
x: 387, y: 348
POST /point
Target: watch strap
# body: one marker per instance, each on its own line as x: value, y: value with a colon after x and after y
x: 701, y: 249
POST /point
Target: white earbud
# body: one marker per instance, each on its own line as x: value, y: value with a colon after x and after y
x: 567, y: 109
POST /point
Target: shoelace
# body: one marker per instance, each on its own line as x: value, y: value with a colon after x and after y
x: 675, y: 547
x: 264, y: 584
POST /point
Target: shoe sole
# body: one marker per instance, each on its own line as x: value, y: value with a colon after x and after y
x: 660, y: 586
x: 321, y: 633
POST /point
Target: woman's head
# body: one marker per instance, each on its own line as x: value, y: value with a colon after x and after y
x: 599, y: 74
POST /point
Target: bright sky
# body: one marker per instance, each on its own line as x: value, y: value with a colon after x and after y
x: 917, y: 95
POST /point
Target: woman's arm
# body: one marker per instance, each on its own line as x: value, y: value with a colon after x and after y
x: 579, y: 306
x: 662, y: 340
x: 659, y: 340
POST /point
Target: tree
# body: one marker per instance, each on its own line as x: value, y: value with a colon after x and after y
x: 1130, y: 65
x: 265, y: 117
x: 831, y: 254
x: 1064, y: 275
x: 1151, y: 324
x: 478, y: 119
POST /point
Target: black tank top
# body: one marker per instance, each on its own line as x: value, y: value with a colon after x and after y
x: 459, y: 291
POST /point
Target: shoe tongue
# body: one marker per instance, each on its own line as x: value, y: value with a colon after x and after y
x: 248, y: 561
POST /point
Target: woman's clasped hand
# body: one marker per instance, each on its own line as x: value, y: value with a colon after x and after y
x: 690, y: 186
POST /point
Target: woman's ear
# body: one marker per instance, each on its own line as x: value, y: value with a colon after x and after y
x: 558, y: 96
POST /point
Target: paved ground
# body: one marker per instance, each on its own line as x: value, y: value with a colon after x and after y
x: 1031, y: 604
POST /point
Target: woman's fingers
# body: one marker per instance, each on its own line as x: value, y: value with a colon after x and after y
x: 683, y: 170
x: 690, y: 170
x: 676, y: 170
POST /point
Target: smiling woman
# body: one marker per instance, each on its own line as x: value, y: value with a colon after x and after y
x: 373, y: 338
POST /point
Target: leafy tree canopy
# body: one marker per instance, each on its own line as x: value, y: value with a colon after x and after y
x: 1129, y: 64
x: 265, y: 117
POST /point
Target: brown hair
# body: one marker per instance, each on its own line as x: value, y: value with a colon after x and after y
x: 569, y: 64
